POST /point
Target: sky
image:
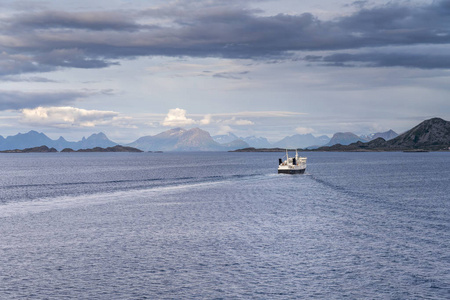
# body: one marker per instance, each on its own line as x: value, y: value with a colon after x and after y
x: 253, y: 68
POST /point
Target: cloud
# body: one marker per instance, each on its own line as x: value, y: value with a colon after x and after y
x: 243, y: 122
x: 177, y: 117
x: 230, y: 75
x: 26, y: 79
x: 378, y: 59
x: 224, y: 129
x: 304, y: 130
x: 93, y: 20
x: 66, y: 116
x: 206, y: 120
x: 239, y: 122
x: 257, y: 114
x: 15, y: 100
x: 71, y: 57
x: 11, y: 64
x: 42, y: 40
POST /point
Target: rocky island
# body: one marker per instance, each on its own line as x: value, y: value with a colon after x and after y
x: 40, y: 149
x: 44, y: 149
x: 117, y: 148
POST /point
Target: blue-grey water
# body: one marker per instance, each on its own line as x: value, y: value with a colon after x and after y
x: 224, y: 225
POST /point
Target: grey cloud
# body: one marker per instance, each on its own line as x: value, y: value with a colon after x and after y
x: 52, y: 40
x: 183, y: 12
x: 422, y: 61
x: 14, y: 100
x: 396, y: 24
x: 47, y: 61
x: 97, y: 21
x: 26, y: 79
x: 358, y: 3
x: 19, y: 63
x: 74, y: 58
x: 230, y: 75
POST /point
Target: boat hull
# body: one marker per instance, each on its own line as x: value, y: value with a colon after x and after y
x: 291, y: 171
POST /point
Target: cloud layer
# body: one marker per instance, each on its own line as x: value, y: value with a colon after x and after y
x: 15, y: 100
x: 377, y: 59
x: 66, y: 116
x: 46, y: 40
x: 365, y: 62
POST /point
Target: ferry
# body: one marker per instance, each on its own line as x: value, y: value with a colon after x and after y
x: 292, y: 165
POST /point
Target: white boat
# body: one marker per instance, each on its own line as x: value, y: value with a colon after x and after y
x: 292, y: 165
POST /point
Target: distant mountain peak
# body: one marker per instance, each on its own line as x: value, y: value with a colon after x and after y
x: 301, y: 141
x: 179, y: 139
x: 344, y: 138
x: 388, y: 135
x: 225, y: 138
x: 96, y: 140
x: 25, y: 140
x: 257, y: 142
x: 435, y: 120
x: 196, y: 129
x: 177, y: 129
x: 431, y: 133
x: 99, y: 135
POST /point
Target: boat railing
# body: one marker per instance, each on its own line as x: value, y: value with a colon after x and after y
x: 286, y: 160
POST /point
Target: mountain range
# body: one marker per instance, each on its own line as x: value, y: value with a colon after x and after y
x: 302, y: 141
x: 252, y: 141
x: 305, y: 141
x: 388, y: 135
x: 196, y: 139
x: 347, y: 138
x: 344, y: 138
x: 432, y: 134
x: 35, y: 139
x: 179, y: 139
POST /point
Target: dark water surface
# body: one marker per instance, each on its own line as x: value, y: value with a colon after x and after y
x: 224, y: 225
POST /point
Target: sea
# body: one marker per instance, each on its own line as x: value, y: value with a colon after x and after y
x: 219, y: 225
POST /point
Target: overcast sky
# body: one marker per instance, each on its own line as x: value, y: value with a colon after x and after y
x: 264, y: 68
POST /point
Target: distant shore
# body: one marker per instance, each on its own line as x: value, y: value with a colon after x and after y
x: 251, y: 149
x: 45, y: 149
x: 337, y: 149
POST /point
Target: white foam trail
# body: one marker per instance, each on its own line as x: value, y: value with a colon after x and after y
x: 67, y: 202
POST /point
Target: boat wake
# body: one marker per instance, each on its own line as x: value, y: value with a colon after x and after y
x: 139, y: 189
